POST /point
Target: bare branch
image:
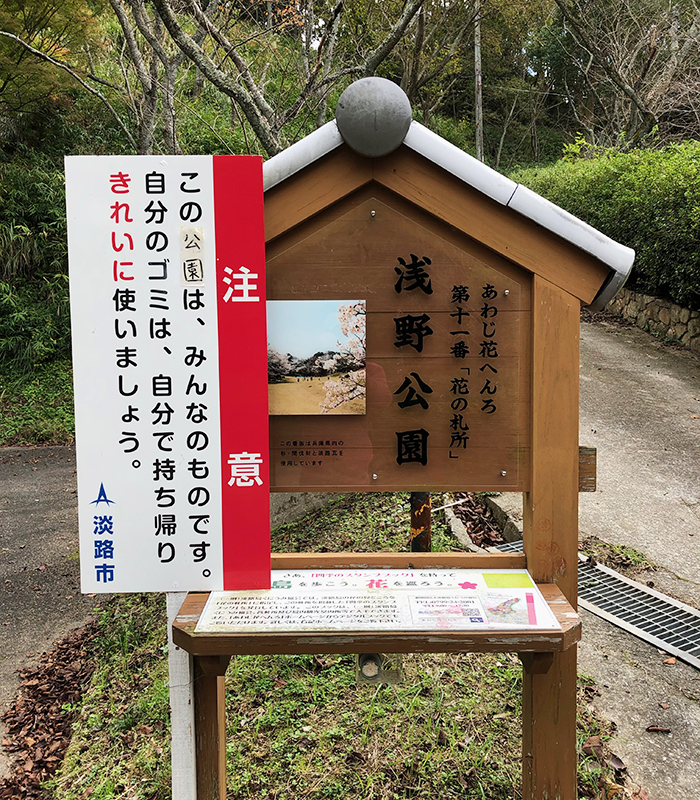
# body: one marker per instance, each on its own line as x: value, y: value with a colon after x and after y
x: 378, y: 55
x: 130, y: 39
x: 71, y: 71
x: 648, y: 117
x: 232, y: 53
x: 261, y: 126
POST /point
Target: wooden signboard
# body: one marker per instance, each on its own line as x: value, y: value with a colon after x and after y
x: 458, y: 371
x: 447, y: 393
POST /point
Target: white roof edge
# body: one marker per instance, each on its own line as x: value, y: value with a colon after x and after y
x: 482, y: 178
x: 460, y: 164
x: 528, y: 203
x: 584, y: 236
x: 301, y: 154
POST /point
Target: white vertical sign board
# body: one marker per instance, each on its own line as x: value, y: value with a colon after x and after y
x: 146, y: 357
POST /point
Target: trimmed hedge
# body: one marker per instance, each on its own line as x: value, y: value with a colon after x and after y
x: 646, y: 199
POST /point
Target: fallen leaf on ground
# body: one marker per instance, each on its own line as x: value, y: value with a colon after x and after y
x: 614, y: 790
x: 657, y: 729
x: 616, y: 763
x: 671, y: 660
x: 145, y: 729
x: 664, y: 705
x: 593, y: 746
x: 38, y: 729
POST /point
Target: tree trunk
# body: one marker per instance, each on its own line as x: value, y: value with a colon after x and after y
x: 478, y: 98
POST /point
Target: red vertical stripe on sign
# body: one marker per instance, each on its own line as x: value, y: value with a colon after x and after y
x: 531, y: 613
x: 240, y: 290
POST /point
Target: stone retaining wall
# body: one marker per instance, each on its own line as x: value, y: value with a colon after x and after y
x: 288, y: 507
x: 658, y: 316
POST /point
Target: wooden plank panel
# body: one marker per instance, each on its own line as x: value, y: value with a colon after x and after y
x: 355, y: 255
x: 439, y: 641
x: 320, y: 185
x: 550, y: 513
x: 499, y: 228
x: 587, y: 467
x: 549, y: 728
x: 356, y: 470
x: 210, y: 726
x: 358, y: 205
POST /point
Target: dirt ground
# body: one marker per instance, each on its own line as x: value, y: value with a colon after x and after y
x: 41, y: 599
x: 304, y: 396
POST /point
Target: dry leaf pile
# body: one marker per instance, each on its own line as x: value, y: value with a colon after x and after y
x: 39, y: 721
x: 478, y: 520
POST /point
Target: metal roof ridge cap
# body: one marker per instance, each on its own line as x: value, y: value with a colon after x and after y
x: 460, y: 164
x: 551, y: 216
x: 302, y: 153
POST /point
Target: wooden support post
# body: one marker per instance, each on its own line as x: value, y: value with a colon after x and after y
x: 210, y: 726
x: 549, y: 727
x: 550, y: 537
x: 421, y: 534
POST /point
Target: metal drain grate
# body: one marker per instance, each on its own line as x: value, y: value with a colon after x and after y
x: 660, y: 620
x: 509, y: 547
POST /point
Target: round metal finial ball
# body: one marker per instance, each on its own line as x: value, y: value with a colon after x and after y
x: 373, y: 116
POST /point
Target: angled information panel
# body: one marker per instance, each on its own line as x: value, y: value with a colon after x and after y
x: 400, y: 599
x: 167, y: 282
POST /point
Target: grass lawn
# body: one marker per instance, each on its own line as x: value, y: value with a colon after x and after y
x: 37, y: 407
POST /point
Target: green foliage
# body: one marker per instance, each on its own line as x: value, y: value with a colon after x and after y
x: 32, y: 219
x: 37, y: 408
x: 362, y: 522
x: 646, y: 199
x: 59, y: 28
x: 458, y: 132
x: 208, y: 124
x: 34, y: 314
x: 34, y: 321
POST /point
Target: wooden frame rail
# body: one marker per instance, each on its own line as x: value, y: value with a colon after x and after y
x: 212, y: 652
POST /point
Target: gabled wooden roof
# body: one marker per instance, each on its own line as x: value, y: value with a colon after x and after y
x: 430, y: 172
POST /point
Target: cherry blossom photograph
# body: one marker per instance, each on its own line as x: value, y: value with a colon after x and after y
x: 316, y: 351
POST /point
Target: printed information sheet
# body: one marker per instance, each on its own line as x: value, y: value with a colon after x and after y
x: 396, y: 599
